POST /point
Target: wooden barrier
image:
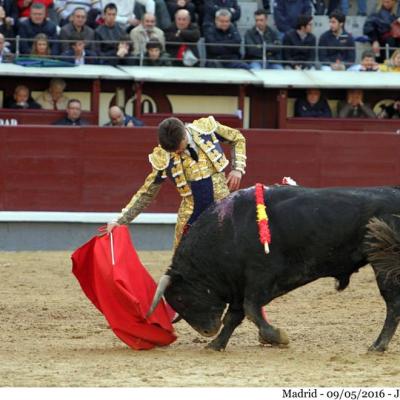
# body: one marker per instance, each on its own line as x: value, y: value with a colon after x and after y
x: 47, y: 168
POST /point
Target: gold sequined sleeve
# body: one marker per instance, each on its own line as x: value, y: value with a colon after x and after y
x: 159, y: 159
x: 141, y: 199
x: 238, y: 143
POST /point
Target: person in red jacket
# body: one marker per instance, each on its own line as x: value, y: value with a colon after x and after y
x: 24, y: 6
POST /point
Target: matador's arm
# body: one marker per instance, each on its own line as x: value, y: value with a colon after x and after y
x: 149, y: 190
x: 238, y: 143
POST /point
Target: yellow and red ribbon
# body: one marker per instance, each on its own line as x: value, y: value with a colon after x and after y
x: 262, y: 218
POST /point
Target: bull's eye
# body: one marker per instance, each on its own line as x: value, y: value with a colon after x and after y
x: 179, y: 299
x: 208, y: 291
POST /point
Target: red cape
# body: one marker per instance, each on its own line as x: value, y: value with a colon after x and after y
x: 123, y: 292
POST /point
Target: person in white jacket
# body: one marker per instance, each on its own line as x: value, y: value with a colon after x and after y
x: 65, y: 8
x: 126, y: 10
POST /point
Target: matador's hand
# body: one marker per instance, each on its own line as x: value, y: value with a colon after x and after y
x: 107, y: 229
x: 233, y: 180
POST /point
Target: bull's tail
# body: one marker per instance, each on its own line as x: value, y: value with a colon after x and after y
x: 383, y: 247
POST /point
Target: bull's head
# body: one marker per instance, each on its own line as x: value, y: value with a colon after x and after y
x: 198, y: 305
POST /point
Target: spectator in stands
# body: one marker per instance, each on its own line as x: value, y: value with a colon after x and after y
x: 40, y: 46
x: 378, y: 28
x: 302, y: 53
x: 22, y: 99
x: 368, y: 63
x: 154, y: 56
x: 8, y: 19
x: 176, y: 5
x: 36, y: 24
x: 73, y: 117
x: 286, y: 13
x: 5, y: 53
x: 211, y: 7
x: 390, y: 111
x: 77, y: 24
x: 256, y: 37
x: 25, y: 6
x: 181, y: 32
x: 78, y: 54
x: 113, y: 43
x: 144, y: 32
x: 119, y: 118
x: 393, y: 64
x: 126, y: 15
x: 66, y: 9
x: 312, y: 106
x: 355, y: 107
x: 223, y: 43
x: 54, y: 98
x: 336, y: 46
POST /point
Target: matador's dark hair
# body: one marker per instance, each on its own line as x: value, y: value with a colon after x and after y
x: 171, y: 132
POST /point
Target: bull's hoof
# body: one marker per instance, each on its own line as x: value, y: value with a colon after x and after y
x: 377, y: 348
x: 277, y: 338
x: 215, y: 346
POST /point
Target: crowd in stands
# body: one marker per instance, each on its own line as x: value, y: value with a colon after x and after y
x: 167, y: 32
x: 312, y: 105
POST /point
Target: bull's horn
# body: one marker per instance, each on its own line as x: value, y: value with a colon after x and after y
x: 162, y: 285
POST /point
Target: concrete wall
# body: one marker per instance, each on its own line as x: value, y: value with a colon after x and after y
x: 27, y: 236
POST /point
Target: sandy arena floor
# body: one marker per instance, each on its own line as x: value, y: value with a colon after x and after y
x: 51, y: 335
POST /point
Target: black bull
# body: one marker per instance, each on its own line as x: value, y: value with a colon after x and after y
x: 315, y: 233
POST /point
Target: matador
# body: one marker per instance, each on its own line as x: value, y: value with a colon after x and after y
x: 192, y: 157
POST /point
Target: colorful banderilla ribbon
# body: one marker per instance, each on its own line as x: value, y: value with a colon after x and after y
x: 262, y: 218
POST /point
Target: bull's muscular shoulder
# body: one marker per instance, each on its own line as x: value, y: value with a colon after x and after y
x: 205, y: 125
x: 159, y: 158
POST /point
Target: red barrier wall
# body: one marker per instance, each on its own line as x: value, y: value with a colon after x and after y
x: 43, y: 168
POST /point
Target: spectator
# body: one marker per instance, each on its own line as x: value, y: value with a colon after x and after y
x: 78, y: 54
x: 113, y: 44
x: 302, y: 53
x: 154, y: 56
x: 336, y: 46
x: 66, y: 9
x: 211, y: 7
x: 390, y: 111
x: 119, y: 118
x: 286, y: 13
x: 54, y: 98
x: 73, y: 117
x: 146, y: 31
x: 36, y: 24
x: 182, y: 32
x: 393, y: 64
x: 176, y: 5
x: 126, y: 16
x: 5, y: 54
x: 8, y: 19
x: 368, y: 63
x: 25, y: 6
x: 223, y: 43
x: 355, y: 107
x: 77, y: 24
x: 378, y: 28
x: 40, y: 46
x: 22, y: 99
x: 312, y: 106
x: 256, y: 37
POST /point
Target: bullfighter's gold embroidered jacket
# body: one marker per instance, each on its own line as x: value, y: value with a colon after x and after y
x: 183, y: 169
